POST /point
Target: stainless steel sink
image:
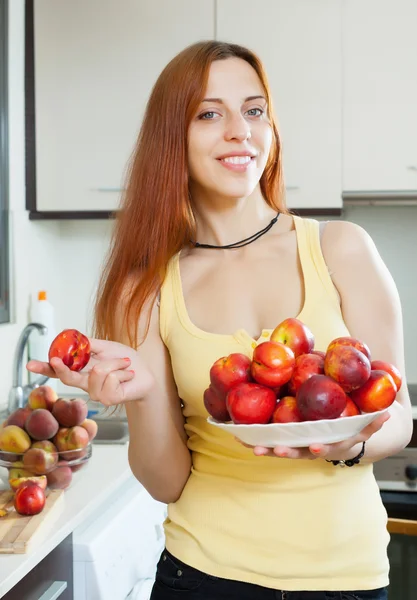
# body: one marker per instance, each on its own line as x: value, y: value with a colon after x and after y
x: 111, y: 431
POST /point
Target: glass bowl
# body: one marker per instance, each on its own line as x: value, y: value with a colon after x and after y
x: 53, y: 470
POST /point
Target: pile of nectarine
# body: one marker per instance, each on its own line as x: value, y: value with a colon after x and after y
x: 43, y: 438
x: 287, y: 380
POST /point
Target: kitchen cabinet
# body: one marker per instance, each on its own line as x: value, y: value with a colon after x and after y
x: 51, y: 579
x: 300, y: 45
x: 90, y: 68
x: 379, y: 96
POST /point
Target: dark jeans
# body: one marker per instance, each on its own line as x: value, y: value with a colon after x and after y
x: 175, y: 579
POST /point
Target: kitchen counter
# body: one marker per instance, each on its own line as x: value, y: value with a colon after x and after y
x: 106, y: 472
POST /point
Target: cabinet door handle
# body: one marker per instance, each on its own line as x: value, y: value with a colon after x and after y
x: 412, y: 168
x: 54, y: 591
x: 107, y: 189
x: 291, y: 187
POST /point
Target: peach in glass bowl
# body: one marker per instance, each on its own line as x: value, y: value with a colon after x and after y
x: 45, y: 465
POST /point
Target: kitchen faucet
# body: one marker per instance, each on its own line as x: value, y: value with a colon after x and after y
x: 19, y: 393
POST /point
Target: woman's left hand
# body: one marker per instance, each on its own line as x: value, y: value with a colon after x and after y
x: 339, y: 451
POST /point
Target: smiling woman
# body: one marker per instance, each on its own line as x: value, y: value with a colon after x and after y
x: 4, y: 238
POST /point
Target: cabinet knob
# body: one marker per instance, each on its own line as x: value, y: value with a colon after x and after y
x: 411, y: 472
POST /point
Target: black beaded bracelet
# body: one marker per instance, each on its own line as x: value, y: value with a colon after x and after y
x: 351, y: 461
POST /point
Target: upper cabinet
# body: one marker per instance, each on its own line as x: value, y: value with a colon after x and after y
x: 94, y: 65
x: 379, y: 96
x: 300, y: 45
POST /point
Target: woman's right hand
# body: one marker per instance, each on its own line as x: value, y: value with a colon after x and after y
x: 115, y: 373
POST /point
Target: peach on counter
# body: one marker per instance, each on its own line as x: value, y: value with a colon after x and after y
x: 29, y: 499
x: 14, y: 439
x: 71, y: 438
x: 60, y: 477
x: 18, y: 417
x: 41, y: 457
x: 42, y: 397
x: 70, y: 413
x: 91, y: 428
x: 19, y: 476
x: 41, y: 424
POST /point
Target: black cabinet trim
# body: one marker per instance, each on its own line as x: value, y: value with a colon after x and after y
x: 30, y: 121
x: 35, y: 215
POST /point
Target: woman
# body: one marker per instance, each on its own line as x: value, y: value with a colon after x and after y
x: 178, y: 292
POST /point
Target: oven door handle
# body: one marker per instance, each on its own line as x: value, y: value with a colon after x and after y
x: 402, y: 526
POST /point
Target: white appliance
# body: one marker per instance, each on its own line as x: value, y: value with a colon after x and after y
x: 115, y: 554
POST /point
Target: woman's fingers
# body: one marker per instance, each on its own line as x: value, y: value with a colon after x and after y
x: 373, y: 427
x: 106, y: 369
x: 113, y: 391
x: 340, y: 448
x: 68, y: 377
x: 106, y: 350
x: 42, y: 368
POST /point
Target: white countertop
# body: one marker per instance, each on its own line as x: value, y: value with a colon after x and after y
x: 106, y: 472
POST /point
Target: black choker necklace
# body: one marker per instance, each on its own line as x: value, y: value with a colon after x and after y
x: 242, y: 243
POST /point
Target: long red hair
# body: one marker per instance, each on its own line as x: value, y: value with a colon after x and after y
x: 155, y: 219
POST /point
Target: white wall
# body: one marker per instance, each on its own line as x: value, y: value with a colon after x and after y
x: 65, y: 257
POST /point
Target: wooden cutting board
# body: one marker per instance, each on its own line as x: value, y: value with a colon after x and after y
x: 17, y: 532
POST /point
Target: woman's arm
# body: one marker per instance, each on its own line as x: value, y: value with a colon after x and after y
x: 158, y: 453
x: 372, y: 312
x: 142, y: 380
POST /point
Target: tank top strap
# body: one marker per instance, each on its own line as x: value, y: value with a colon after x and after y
x: 168, y: 298
x: 315, y: 271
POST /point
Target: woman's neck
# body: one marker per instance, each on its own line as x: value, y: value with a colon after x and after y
x: 232, y: 220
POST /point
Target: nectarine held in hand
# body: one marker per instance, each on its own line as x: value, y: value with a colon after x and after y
x: 272, y: 364
x: 376, y: 394
x: 320, y: 397
x: 351, y: 409
x: 379, y: 365
x: 294, y: 334
x: 250, y: 403
x: 350, y: 341
x: 216, y: 405
x: 228, y: 371
x: 349, y: 367
x: 286, y: 411
x: 72, y: 347
x: 306, y: 365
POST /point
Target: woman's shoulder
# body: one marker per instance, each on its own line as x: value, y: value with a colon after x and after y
x: 339, y: 238
x: 344, y: 239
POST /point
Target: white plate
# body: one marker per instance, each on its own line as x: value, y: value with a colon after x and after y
x: 299, y: 435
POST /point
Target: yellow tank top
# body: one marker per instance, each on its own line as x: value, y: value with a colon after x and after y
x: 280, y: 523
